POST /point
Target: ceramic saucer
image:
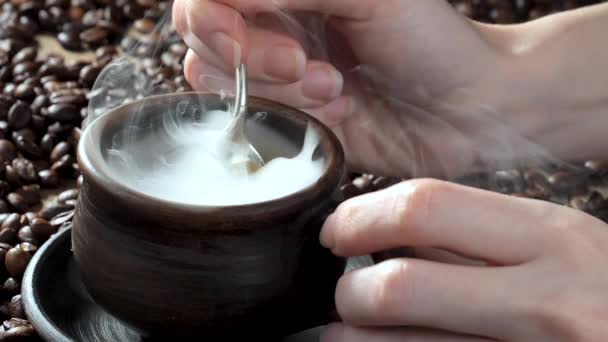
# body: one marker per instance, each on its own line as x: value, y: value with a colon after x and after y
x: 60, y: 309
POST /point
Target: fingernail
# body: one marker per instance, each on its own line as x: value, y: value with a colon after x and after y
x: 322, y: 83
x: 226, y: 47
x: 327, y: 238
x: 331, y: 333
x: 284, y: 63
x: 214, y: 83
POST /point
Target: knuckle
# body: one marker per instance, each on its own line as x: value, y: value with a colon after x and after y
x: 413, y: 207
x: 395, y: 291
x: 346, y: 215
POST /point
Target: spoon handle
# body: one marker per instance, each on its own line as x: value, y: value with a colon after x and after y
x: 240, y: 103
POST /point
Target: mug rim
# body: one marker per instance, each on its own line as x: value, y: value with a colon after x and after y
x: 95, y: 170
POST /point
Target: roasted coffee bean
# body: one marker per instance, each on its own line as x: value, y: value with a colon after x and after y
x: 95, y: 36
x: 598, y: 167
x: 25, y: 235
x: 48, y: 178
x: 39, y: 102
x: 562, y: 181
x: 62, y: 218
x: 89, y: 74
x: 27, y: 145
x: 19, y: 115
x: 349, y: 191
x: 69, y: 194
x: 28, y: 217
x: 53, y: 210
x: 10, y: 285
x: 14, y: 308
x: 6, y: 103
x: 144, y: 25
x: 27, y: 54
x: 24, y: 91
x: 25, y: 169
x: 47, y: 143
x: 12, y: 177
x: 363, y: 182
x: 15, y: 322
x: 60, y: 150
x: 41, y: 228
x: 12, y: 221
x: 68, y: 96
x: 63, y: 164
x: 30, y: 193
x: 63, y: 112
x: 74, y: 137
x: 4, y: 188
x: 17, y: 201
x: 7, y: 235
x: 16, y: 261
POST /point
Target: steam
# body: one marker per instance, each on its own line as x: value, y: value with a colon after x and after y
x: 446, y: 141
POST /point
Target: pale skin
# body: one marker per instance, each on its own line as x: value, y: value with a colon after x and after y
x: 540, y: 89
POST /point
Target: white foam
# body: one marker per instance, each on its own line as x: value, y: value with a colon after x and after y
x: 193, y: 172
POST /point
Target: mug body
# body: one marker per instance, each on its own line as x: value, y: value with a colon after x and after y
x: 229, y: 272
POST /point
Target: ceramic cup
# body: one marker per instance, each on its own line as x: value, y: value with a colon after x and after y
x: 222, y: 273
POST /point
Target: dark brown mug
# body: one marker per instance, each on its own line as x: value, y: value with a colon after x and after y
x: 221, y: 273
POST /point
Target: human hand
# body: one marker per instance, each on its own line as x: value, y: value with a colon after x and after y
x: 543, y: 276
x: 400, y: 85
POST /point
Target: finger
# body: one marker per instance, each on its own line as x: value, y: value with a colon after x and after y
x: 213, y: 30
x: 336, y: 112
x: 320, y: 84
x: 337, y: 332
x: 351, y: 9
x: 471, y: 222
x: 272, y: 57
x: 413, y: 292
x: 447, y: 257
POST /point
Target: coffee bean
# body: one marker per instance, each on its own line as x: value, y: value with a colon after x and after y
x: 95, y: 36
x: 25, y: 235
x: 48, y: 178
x: 60, y: 150
x: 144, y: 25
x: 26, y: 145
x: 61, y: 218
x: 89, y: 74
x: 68, y: 96
x: 25, y: 169
x: 41, y: 228
x: 69, y: 194
x: 27, y: 54
x: 28, y: 217
x: 74, y: 137
x: 19, y: 115
x: 53, y: 210
x: 63, y: 165
x: 16, y: 261
x: 562, y: 181
x: 4, y: 188
x: 10, y: 285
x: 349, y: 191
x: 18, y: 202
x: 30, y: 193
x: 12, y: 177
x: 12, y: 221
x: 14, y: 308
x: 63, y: 112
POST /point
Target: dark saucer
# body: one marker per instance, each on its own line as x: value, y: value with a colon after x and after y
x: 60, y: 309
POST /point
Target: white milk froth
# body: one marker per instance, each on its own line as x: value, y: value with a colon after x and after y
x: 193, y: 173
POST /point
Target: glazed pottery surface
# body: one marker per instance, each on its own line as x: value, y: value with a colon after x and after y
x: 223, y: 273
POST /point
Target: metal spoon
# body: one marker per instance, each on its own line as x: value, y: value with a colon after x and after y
x: 236, y: 129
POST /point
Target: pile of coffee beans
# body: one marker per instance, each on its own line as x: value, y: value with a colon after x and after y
x: 514, y: 11
x: 44, y: 100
